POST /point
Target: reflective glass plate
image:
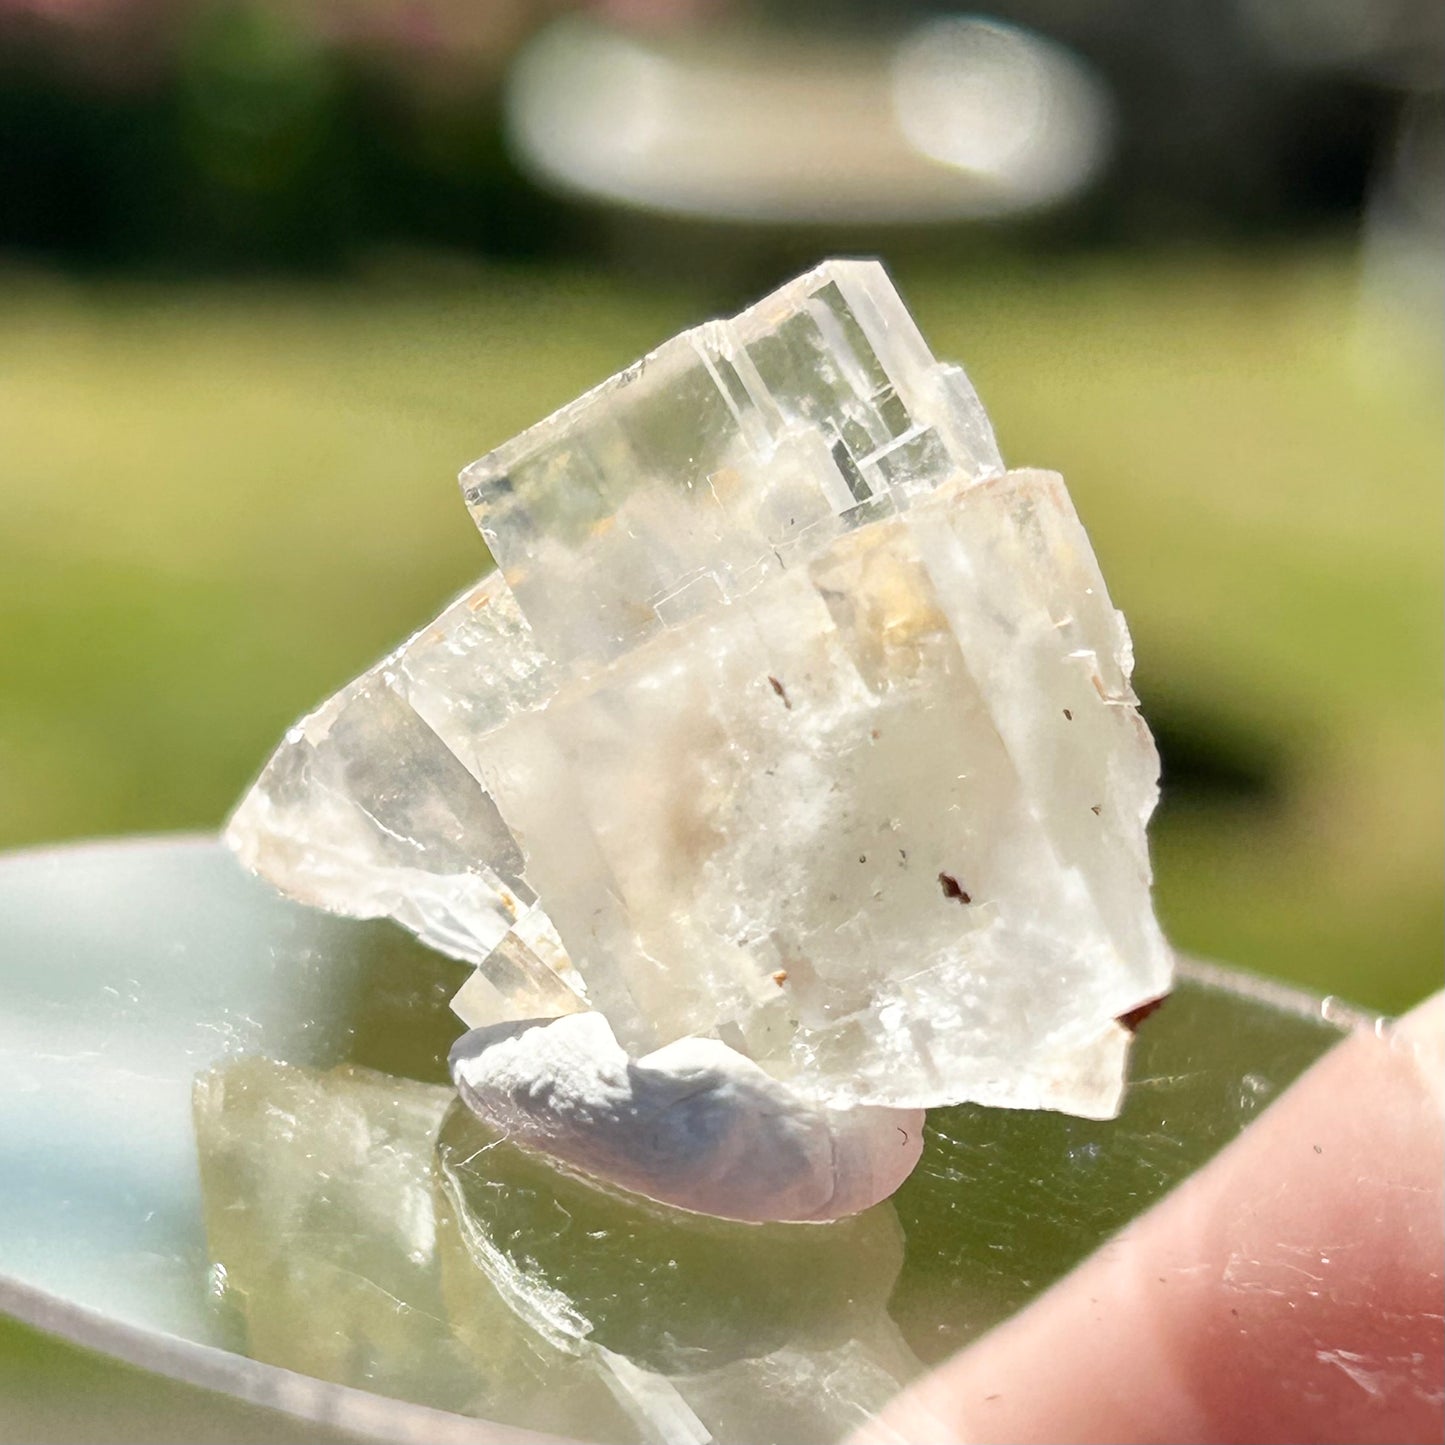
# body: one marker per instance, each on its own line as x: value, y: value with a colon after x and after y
x: 129, y: 968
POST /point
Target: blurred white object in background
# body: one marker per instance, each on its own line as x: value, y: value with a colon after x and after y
x: 997, y: 103
x: 961, y: 118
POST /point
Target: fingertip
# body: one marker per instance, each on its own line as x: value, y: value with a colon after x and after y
x: 1420, y: 1036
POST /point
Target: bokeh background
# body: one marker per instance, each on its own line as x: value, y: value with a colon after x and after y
x: 271, y: 273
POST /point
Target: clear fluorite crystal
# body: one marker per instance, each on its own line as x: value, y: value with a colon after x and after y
x: 789, y: 718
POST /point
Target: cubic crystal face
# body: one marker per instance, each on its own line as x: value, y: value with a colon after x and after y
x: 789, y: 717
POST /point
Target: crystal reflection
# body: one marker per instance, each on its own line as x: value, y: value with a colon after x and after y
x: 364, y: 1234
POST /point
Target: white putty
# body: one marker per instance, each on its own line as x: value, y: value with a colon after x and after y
x: 694, y: 1124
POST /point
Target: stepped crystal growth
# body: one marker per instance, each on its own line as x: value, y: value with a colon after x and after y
x: 789, y: 718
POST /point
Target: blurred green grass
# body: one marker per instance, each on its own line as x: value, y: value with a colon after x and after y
x: 220, y: 501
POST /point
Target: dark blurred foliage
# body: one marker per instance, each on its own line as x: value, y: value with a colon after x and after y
x: 157, y: 133
x: 235, y: 136
x: 1219, y: 132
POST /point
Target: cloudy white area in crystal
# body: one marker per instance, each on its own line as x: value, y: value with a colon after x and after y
x: 790, y: 718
